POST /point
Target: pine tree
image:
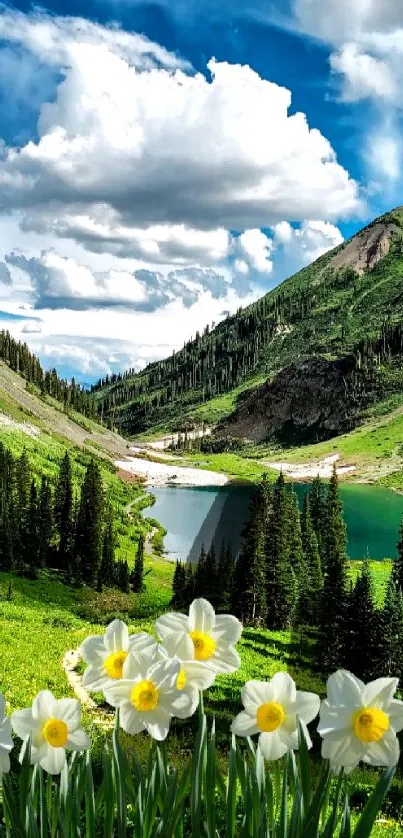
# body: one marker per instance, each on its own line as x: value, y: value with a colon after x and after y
x: 317, y: 500
x: 398, y: 563
x: 32, y: 556
x: 280, y: 580
x: 123, y: 580
x: 90, y: 525
x: 210, y: 584
x: 23, y: 486
x: 360, y: 627
x: 137, y: 576
x: 225, y: 574
x: 297, y: 556
x: 179, y: 586
x: 335, y: 585
x: 189, y: 593
x: 311, y: 609
x: 248, y: 595
x: 391, y: 632
x: 64, y: 517
x: 7, y: 519
x: 45, y: 522
x: 106, y: 574
x: 200, y: 574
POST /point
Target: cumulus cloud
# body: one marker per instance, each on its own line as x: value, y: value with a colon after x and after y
x: 123, y: 152
x: 255, y: 248
x: 301, y: 246
x: 31, y: 329
x: 5, y: 276
x: 60, y: 282
x: 367, y: 37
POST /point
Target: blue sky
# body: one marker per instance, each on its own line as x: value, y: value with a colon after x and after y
x: 160, y: 166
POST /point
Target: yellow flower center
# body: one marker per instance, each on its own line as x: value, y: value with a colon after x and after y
x: 113, y: 664
x: 55, y: 732
x: 204, y: 645
x: 144, y: 696
x: 181, y: 682
x: 269, y: 716
x: 370, y: 724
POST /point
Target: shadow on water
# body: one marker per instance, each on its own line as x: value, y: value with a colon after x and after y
x: 223, y: 523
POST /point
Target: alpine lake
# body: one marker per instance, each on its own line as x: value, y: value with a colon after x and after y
x: 196, y: 516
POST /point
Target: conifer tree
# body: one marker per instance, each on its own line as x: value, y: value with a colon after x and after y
x: 189, y: 585
x: 297, y: 556
x: 179, y: 586
x: 64, y: 516
x: 391, y: 632
x: 317, y: 500
x: 32, y: 555
x: 8, y: 529
x: 313, y: 563
x: 249, y: 594
x: 225, y: 573
x: 200, y: 574
x: 335, y: 585
x: 210, y: 577
x: 137, y: 576
x: 23, y: 486
x: 45, y: 522
x: 281, y: 582
x: 123, y: 577
x: 360, y: 638
x: 398, y: 563
x: 106, y: 574
x: 90, y: 525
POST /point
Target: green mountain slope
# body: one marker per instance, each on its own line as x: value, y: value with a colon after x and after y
x: 329, y: 310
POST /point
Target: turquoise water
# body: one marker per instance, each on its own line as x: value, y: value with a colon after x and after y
x: 193, y: 516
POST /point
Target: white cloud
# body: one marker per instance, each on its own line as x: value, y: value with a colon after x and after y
x: 365, y: 76
x: 301, y: 246
x: 256, y: 249
x: 124, y: 150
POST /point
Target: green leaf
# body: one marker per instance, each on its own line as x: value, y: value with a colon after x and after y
x: 374, y: 804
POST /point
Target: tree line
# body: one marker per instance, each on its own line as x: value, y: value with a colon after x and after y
x: 61, y: 526
x: 19, y: 358
x: 292, y: 571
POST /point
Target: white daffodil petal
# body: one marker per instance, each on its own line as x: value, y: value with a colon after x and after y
x: 68, y: 709
x: 157, y: 723
x: 116, y: 694
x: 244, y: 725
x: 334, y: 718
x: 179, y: 703
x: 78, y: 740
x: 4, y: 763
x: 285, y: 690
x: 289, y: 737
x: 271, y: 746
x: 179, y: 645
x: 164, y: 674
x: 380, y: 692
x: 22, y: 722
x: 344, y: 689
x: 143, y: 643
x: 172, y: 623
x: 346, y: 752
x: 201, y: 616
x: 130, y: 720
x: 54, y: 760
x: 199, y: 674
x: 395, y: 713
x: 306, y: 706
x: 135, y: 665
x: 2, y: 706
x: 43, y: 705
x: 224, y: 660
x: 6, y: 740
x: 194, y: 696
x: 386, y: 752
x: 93, y: 650
x: 95, y: 679
x: 227, y: 628
x: 255, y: 693
x: 117, y: 637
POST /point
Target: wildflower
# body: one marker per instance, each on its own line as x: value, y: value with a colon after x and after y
x: 272, y: 709
x: 107, y: 653
x: 194, y: 676
x: 6, y: 742
x: 359, y: 721
x: 202, y: 636
x: 148, y: 696
x: 52, y: 725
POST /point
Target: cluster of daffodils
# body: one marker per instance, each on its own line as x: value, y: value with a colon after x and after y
x: 152, y: 681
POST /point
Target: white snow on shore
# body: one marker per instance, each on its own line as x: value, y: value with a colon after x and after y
x: 305, y: 471
x: 161, y: 474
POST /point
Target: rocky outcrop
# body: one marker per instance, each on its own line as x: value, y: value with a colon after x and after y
x: 307, y: 401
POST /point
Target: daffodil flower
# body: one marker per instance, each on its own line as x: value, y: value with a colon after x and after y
x: 106, y: 654
x: 6, y: 742
x: 273, y: 709
x: 359, y: 722
x: 148, y: 696
x: 194, y: 676
x: 52, y: 725
x: 202, y: 636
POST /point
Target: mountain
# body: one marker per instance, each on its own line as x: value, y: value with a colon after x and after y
x: 302, y: 362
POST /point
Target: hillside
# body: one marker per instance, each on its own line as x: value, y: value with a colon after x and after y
x: 329, y: 310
